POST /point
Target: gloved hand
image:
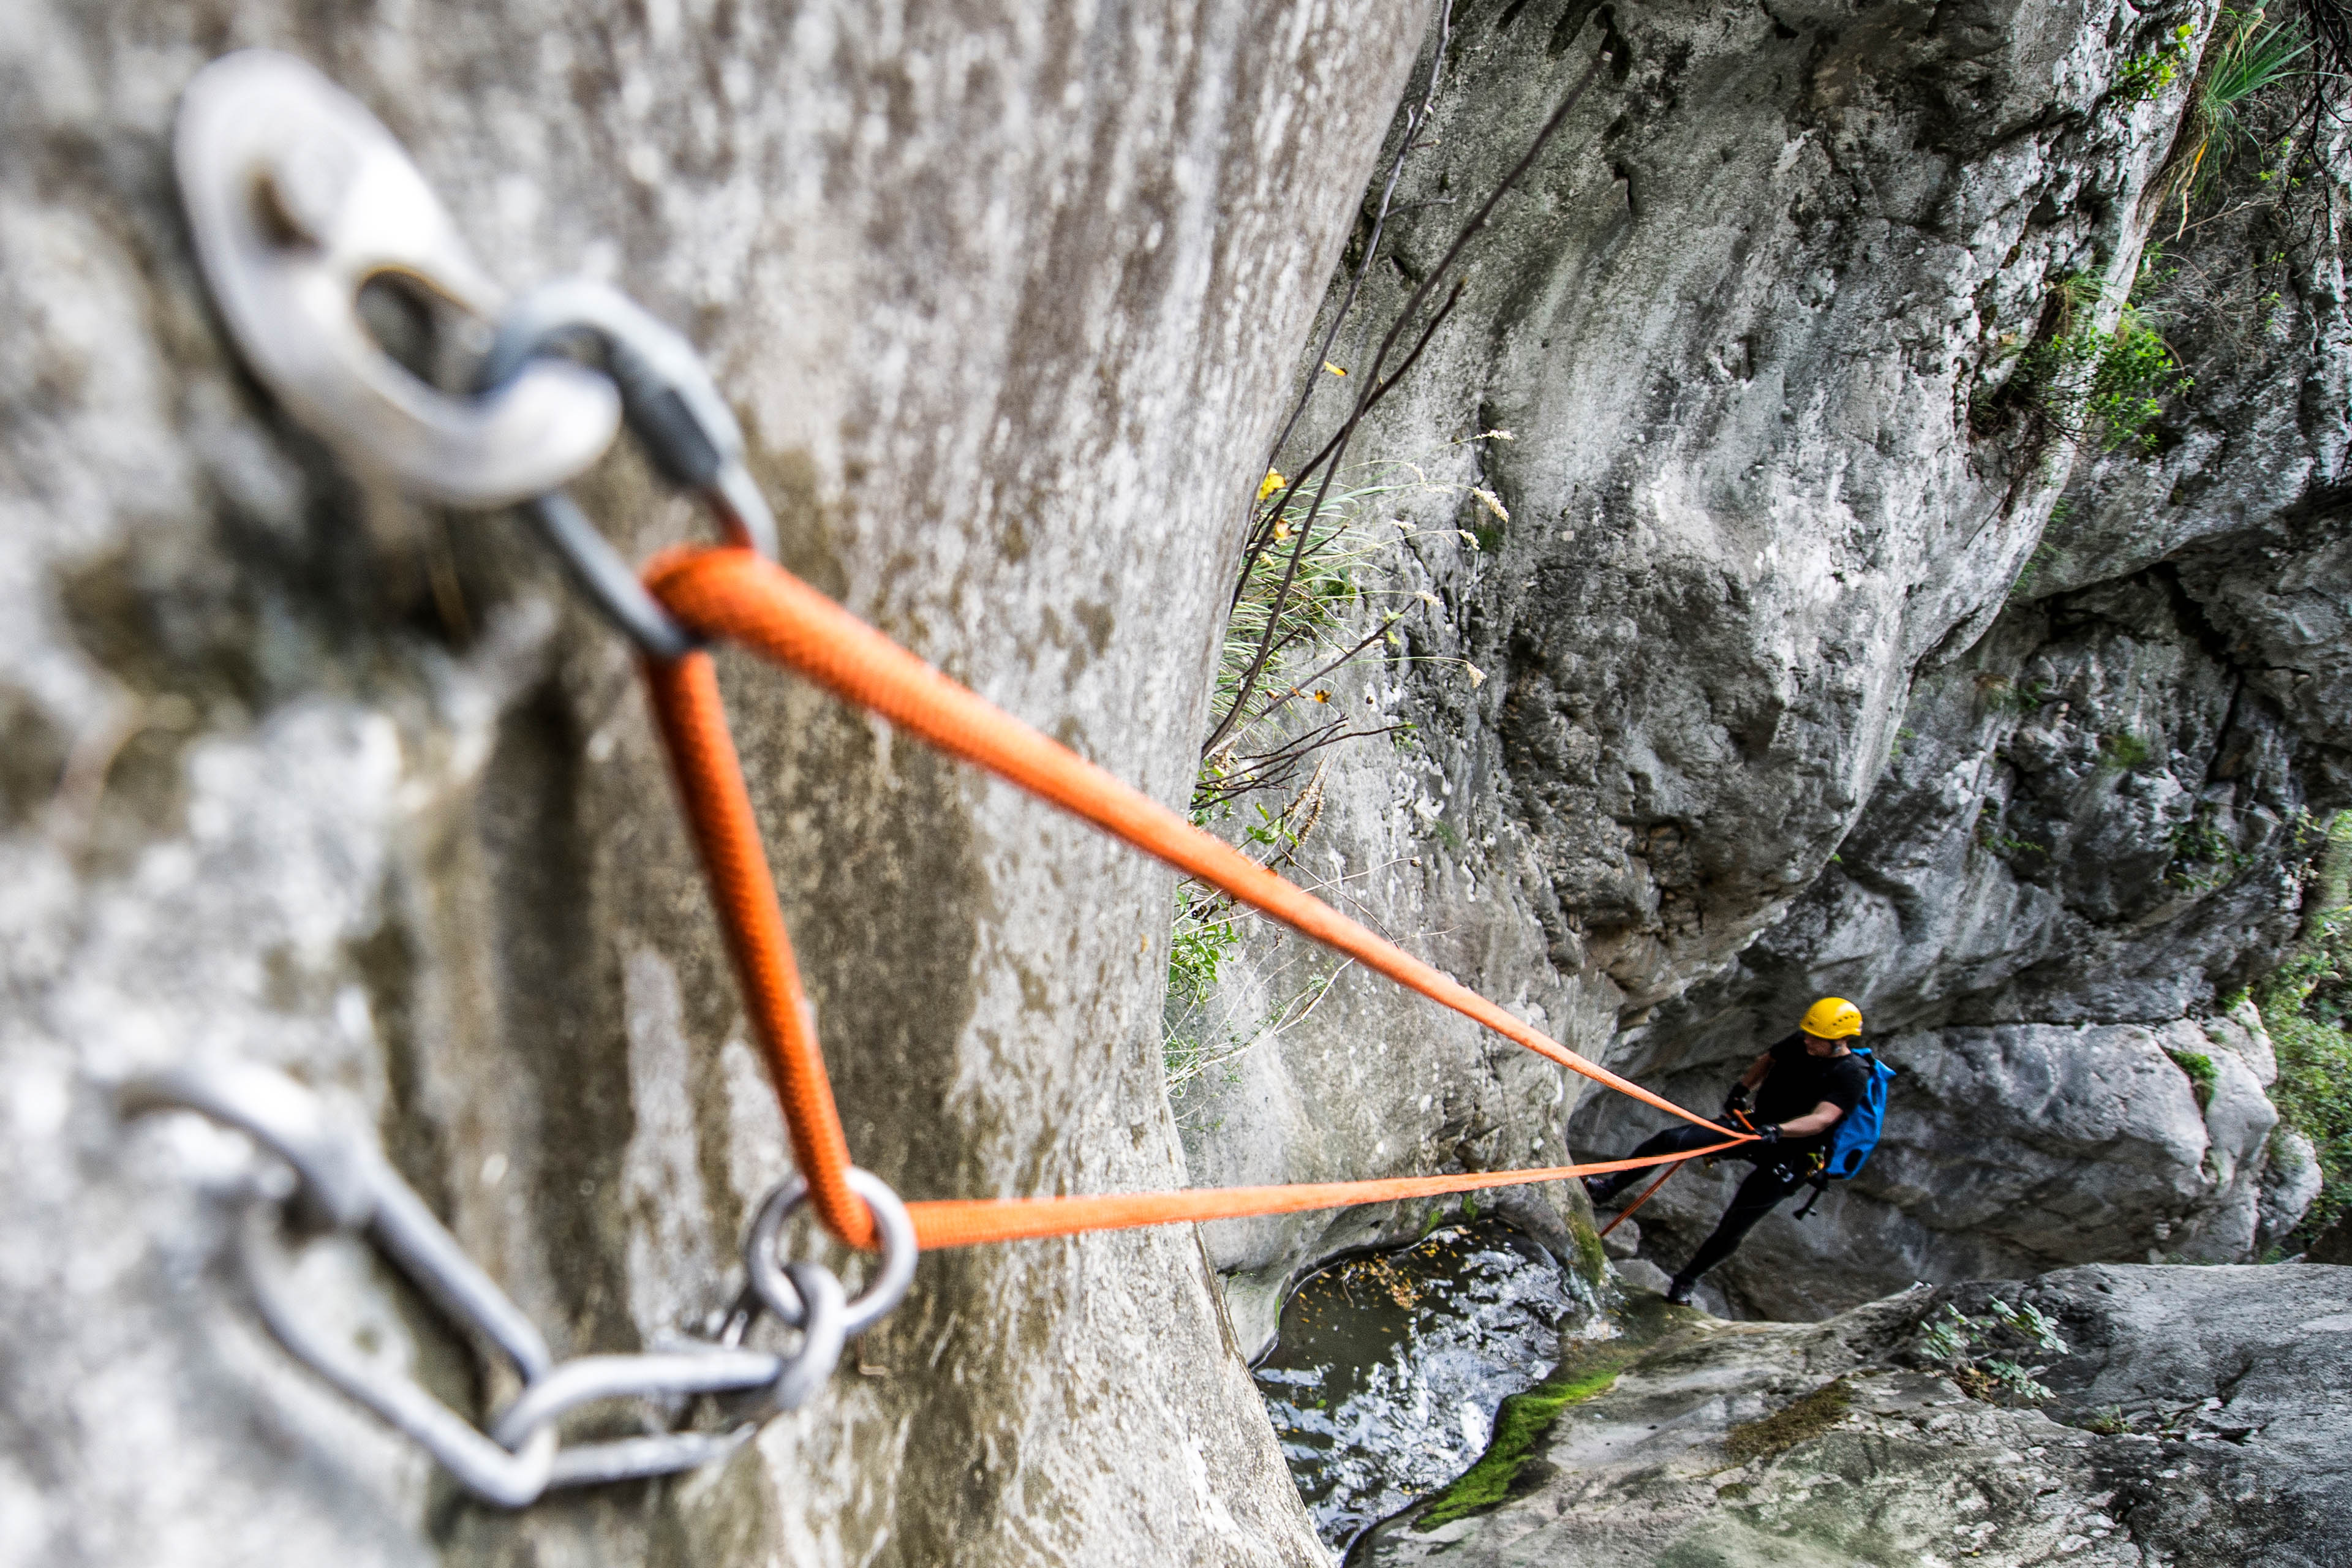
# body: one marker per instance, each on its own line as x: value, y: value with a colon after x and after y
x: 1737, y: 1099
x: 1770, y: 1132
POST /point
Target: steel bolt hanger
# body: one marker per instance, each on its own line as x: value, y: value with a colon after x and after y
x: 298, y: 198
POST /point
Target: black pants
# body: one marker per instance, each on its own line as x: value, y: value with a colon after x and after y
x: 1777, y: 1175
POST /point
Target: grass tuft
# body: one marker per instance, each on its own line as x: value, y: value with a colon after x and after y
x: 2305, y: 1004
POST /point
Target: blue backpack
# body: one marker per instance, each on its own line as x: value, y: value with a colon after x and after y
x: 1857, y: 1130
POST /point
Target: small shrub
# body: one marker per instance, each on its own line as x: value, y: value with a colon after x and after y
x: 2002, y: 695
x: 2199, y: 1067
x: 2253, y: 57
x: 1959, y: 1341
x: 2001, y: 844
x: 2203, y: 858
x: 2144, y: 76
x: 2085, y: 382
x: 2124, y: 751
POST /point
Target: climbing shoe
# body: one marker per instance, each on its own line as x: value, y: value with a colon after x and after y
x: 1678, y: 1291
x: 1601, y: 1189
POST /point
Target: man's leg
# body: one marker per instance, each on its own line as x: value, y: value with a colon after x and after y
x: 1675, y: 1140
x: 1761, y: 1192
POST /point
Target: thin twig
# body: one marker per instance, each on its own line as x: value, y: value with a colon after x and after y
x: 1336, y: 448
x: 1378, y: 385
x: 1414, y: 120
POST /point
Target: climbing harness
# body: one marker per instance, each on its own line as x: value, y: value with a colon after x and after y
x: 298, y: 199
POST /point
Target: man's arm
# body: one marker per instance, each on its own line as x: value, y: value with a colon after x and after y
x: 1819, y: 1118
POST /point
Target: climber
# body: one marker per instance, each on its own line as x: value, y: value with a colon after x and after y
x: 1802, y: 1087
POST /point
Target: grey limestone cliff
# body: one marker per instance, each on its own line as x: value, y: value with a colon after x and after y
x: 1802, y: 663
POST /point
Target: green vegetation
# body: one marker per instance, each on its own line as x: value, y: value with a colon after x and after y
x: 1200, y: 944
x: 2002, y: 695
x: 2252, y: 55
x: 1589, y: 1253
x: 2305, y: 1004
x: 1519, y: 1424
x: 2124, y: 751
x: 2144, y: 76
x: 1992, y: 834
x: 1587, y: 1370
x: 1309, y: 603
x: 2204, y: 857
x: 2000, y: 844
x: 1782, y: 1430
x: 1961, y: 1342
x: 2199, y: 1068
x: 1295, y: 608
x: 2085, y: 382
x: 2043, y: 554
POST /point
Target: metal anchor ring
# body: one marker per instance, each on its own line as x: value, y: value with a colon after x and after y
x: 298, y: 198
x: 772, y: 1283
x: 674, y: 408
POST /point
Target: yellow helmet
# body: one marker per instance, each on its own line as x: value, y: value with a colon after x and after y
x: 1832, y: 1018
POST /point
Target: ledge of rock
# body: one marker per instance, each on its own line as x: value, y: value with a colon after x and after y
x: 2201, y: 1417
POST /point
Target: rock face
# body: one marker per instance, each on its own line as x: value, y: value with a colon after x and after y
x: 1798, y: 668
x: 2198, y: 1418
x: 306, y: 774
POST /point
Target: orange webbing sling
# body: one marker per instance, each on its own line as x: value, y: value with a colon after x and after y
x: 742, y: 597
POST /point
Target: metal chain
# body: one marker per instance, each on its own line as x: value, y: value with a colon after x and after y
x: 333, y: 1179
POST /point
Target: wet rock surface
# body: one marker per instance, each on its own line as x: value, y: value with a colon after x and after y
x: 2198, y: 1418
x: 1384, y: 1383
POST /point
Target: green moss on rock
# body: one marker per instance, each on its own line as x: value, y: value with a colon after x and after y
x: 1782, y: 1430
x: 1519, y: 1424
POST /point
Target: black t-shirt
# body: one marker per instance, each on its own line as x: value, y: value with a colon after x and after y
x: 1801, y: 1080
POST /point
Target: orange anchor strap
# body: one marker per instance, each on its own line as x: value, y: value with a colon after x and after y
x: 967, y: 1222
x: 738, y: 595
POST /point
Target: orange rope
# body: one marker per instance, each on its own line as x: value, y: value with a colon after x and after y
x: 735, y: 594
x: 719, y: 809
x: 966, y: 1222
x: 1647, y: 1193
